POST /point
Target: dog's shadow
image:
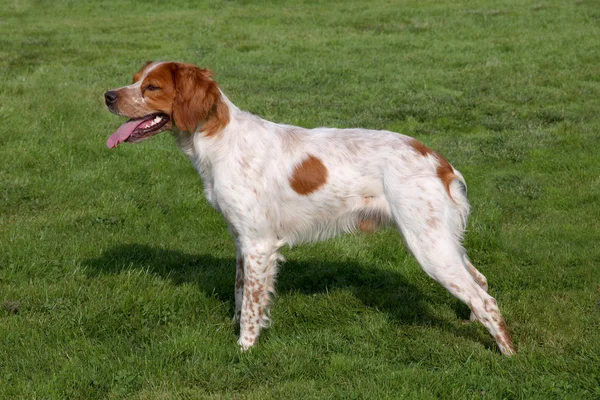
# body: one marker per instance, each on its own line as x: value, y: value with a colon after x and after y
x: 383, y: 290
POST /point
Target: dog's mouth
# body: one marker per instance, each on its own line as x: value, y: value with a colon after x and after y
x: 137, y: 129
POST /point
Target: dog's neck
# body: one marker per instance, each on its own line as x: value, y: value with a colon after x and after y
x: 244, y: 133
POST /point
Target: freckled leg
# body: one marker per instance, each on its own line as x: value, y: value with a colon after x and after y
x: 239, y: 285
x: 444, y: 263
x: 255, y: 296
x: 270, y: 276
x: 479, y: 278
x: 259, y: 271
x: 484, y: 307
x: 437, y: 248
x: 239, y: 274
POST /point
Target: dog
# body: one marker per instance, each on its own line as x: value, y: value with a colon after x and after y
x: 279, y: 185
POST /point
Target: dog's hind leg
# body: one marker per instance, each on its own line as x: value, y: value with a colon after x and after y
x: 479, y: 278
x: 432, y: 224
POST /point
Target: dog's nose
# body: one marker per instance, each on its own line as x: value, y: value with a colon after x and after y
x: 110, y: 97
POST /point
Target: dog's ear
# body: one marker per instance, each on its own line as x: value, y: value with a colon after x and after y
x: 195, y: 98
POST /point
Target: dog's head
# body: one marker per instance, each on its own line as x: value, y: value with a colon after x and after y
x: 164, y: 95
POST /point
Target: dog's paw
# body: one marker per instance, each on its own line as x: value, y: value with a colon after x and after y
x: 246, y: 343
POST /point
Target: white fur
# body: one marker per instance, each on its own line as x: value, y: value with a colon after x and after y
x: 375, y: 175
x: 246, y: 169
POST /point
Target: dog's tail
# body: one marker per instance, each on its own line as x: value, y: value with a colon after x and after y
x: 457, y: 190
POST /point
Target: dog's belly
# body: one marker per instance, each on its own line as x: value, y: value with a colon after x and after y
x: 321, y: 220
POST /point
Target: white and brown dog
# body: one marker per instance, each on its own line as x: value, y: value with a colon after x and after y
x: 278, y: 184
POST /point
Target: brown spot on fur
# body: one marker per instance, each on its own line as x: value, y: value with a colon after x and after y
x: 239, y: 284
x: 503, y: 328
x: 477, y: 276
x: 444, y: 170
x: 505, y: 341
x: 490, y: 305
x: 503, y: 337
x: 256, y: 294
x: 433, y: 223
x: 239, y: 273
x: 367, y: 225
x: 309, y: 176
x: 421, y: 148
x: 446, y: 173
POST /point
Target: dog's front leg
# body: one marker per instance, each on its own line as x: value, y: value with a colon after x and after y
x: 239, y: 274
x: 255, y: 292
x: 239, y: 283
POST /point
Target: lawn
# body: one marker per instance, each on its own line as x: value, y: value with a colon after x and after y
x: 117, y: 277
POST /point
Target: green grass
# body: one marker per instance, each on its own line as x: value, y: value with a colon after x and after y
x: 116, y: 277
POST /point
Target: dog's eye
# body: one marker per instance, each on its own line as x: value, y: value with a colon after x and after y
x: 152, y: 88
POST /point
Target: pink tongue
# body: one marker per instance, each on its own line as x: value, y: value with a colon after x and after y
x: 121, y: 134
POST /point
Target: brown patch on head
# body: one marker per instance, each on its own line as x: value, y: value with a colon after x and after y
x: 198, y: 99
x: 444, y: 171
x: 309, y: 176
x: 184, y: 92
x: 138, y: 75
x: 153, y: 92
